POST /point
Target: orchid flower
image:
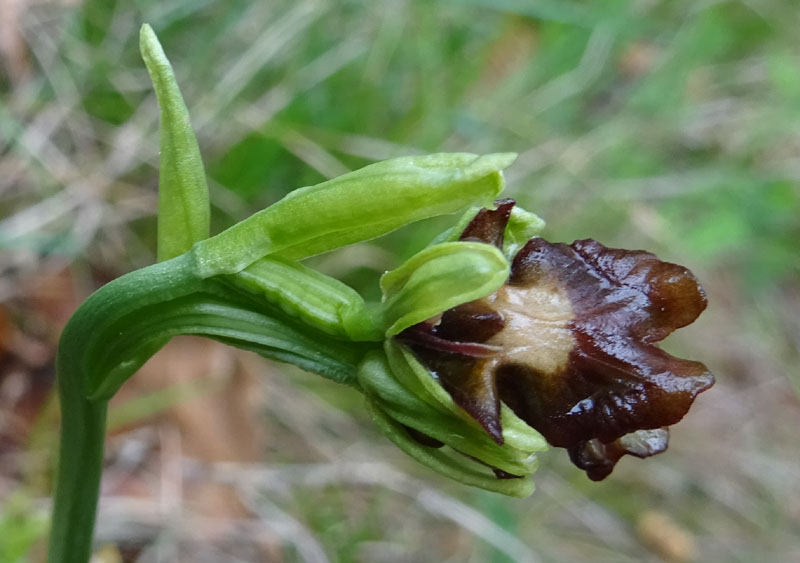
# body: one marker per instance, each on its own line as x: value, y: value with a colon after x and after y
x: 486, y: 345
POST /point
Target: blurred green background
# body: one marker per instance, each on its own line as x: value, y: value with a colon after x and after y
x: 669, y: 125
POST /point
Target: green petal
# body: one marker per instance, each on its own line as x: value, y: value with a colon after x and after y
x: 439, y: 278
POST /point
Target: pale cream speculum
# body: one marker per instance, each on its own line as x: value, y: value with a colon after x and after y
x: 537, y: 331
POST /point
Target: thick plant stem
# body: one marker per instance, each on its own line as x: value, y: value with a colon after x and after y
x: 83, y: 420
x: 83, y: 425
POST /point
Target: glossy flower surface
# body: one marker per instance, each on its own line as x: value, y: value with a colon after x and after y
x: 569, y: 344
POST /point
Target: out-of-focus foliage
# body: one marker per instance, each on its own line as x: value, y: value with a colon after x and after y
x: 670, y: 125
x: 20, y: 528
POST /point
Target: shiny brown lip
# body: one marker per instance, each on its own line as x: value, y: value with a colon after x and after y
x: 569, y: 344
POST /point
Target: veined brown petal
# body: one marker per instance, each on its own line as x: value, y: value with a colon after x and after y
x: 574, y: 331
x: 615, y: 381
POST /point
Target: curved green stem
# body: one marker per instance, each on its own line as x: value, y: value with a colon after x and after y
x: 83, y: 425
x: 231, y: 321
x: 119, y: 328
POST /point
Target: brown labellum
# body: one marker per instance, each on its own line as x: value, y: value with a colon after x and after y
x: 569, y: 344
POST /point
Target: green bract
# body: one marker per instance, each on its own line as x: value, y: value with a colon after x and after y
x: 245, y: 287
x: 361, y: 205
x: 183, y: 210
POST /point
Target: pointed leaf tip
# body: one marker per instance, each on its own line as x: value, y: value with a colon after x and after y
x: 183, y: 205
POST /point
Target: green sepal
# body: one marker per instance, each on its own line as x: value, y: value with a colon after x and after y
x: 444, y: 462
x: 314, y: 298
x: 412, y: 375
x: 439, y: 278
x: 357, y: 206
x: 183, y: 206
x: 447, y: 426
x: 473, y: 452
